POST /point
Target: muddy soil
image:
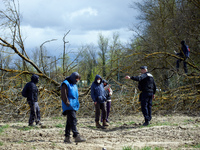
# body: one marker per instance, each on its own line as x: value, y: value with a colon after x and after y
x: 165, y: 132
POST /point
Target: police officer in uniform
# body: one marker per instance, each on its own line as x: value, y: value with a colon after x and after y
x: 147, y: 87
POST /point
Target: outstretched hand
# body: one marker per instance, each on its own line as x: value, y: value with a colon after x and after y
x: 127, y: 77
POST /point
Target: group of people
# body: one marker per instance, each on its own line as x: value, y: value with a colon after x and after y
x: 101, y: 95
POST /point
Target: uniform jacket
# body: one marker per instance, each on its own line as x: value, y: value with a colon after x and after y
x: 146, y: 82
x: 97, y: 91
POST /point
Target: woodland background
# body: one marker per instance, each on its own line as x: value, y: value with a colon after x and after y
x: 163, y: 24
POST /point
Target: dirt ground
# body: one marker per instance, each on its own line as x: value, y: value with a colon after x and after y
x: 165, y: 132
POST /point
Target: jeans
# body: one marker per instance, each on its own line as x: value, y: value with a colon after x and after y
x: 34, y: 112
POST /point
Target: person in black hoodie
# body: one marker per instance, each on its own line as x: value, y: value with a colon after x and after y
x: 31, y: 92
x: 148, y: 88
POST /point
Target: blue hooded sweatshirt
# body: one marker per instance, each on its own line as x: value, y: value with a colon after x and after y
x: 97, y: 91
x: 72, y: 94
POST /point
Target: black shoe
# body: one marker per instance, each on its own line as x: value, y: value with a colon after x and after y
x: 38, y: 123
x: 146, y: 123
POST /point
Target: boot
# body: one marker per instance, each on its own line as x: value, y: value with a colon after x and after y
x: 78, y: 138
x: 146, y: 123
x: 98, y: 125
x: 105, y: 123
x: 67, y: 139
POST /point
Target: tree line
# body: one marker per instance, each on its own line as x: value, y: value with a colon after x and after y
x: 163, y: 24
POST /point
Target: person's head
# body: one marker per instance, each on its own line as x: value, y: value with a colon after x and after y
x: 35, y: 78
x: 104, y: 82
x: 74, y: 77
x: 98, y: 79
x: 182, y: 42
x: 143, y: 69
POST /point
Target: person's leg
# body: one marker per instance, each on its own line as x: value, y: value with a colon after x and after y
x: 149, y: 106
x: 32, y: 114
x: 177, y: 64
x: 108, y: 106
x: 97, y: 114
x: 103, y: 109
x: 185, y: 66
x: 37, y: 111
x: 68, y: 127
x: 73, y: 125
x: 144, y: 103
x: 73, y: 122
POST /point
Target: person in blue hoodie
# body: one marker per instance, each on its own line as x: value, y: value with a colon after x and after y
x: 99, y: 98
x: 31, y: 92
x: 70, y: 104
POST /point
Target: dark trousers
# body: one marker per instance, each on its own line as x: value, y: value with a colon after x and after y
x: 34, y: 112
x: 71, y: 123
x: 184, y: 64
x: 146, y: 104
x: 99, y: 106
x: 108, y: 106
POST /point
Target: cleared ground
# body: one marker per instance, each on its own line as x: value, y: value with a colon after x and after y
x: 165, y: 132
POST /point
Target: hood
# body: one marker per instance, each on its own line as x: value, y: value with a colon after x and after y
x: 72, y: 78
x: 35, y: 78
x: 97, y: 77
x: 104, y: 81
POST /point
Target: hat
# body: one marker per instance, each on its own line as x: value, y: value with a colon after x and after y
x: 143, y: 67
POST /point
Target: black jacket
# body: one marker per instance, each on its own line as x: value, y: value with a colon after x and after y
x: 146, y: 82
x: 31, y: 89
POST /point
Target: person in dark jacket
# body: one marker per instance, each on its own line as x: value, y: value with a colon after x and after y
x: 183, y: 54
x: 70, y: 104
x: 99, y: 98
x: 108, y: 93
x: 31, y: 92
x: 148, y: 88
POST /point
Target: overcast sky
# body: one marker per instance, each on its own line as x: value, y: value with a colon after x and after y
x: 50, y: 19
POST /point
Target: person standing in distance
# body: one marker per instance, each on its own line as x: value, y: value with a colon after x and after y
x: 184, y: 54
x: 99, y: 97
x: 148, y: 87
x: 30, y: 91
x: 70, y: 104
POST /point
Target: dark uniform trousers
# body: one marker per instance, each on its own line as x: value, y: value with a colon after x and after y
x: 34, y: 113
x: 146, y: 104
x: 71, y: 123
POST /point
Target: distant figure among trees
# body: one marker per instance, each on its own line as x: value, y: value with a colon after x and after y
x: 184, y: 54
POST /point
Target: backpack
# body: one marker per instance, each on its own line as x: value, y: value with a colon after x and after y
x: 25, y: 91
x: 187, y: 54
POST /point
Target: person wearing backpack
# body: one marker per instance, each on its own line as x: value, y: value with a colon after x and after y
x: 184, y: 54
x: 30, y: 91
